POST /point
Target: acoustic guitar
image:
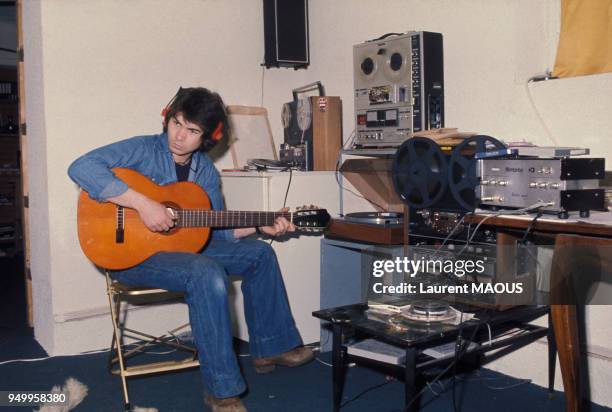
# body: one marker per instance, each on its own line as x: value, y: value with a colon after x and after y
x: 114, y: 237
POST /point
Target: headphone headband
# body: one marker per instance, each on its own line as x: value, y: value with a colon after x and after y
x: 166, y: 109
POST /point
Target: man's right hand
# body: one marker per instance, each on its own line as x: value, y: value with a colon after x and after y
x: 155, y: 216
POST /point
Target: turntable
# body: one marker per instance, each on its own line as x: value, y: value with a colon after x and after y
x: 385, y: 226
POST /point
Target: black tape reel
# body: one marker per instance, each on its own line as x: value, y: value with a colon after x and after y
x: 419, y: 172
x: 462, y: 179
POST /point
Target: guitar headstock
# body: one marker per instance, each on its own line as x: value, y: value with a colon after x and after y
x: 311, y: 218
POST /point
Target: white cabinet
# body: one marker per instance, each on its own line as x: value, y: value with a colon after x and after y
x: 298, y: 256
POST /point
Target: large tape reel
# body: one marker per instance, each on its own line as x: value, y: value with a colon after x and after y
x: 398, y: 61
x: 462, y: 178
x: 419, y: 172
x: 366, y: 64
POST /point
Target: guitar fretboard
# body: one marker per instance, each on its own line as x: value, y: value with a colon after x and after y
x: 217, y: 218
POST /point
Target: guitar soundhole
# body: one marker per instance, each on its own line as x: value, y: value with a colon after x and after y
x: 177, y: 226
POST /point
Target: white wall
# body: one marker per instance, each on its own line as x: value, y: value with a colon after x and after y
x: 100, y: 71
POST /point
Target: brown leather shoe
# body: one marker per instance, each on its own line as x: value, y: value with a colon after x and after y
x: 295, y: 357
x: 233, y: 404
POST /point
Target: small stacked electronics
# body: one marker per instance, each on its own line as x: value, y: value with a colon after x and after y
x: 399, y: 88
x: 564, y: 184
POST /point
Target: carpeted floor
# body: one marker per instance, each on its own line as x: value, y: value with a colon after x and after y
x: 307, y: 388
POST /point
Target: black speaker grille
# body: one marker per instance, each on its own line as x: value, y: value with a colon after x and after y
x: 286, y: 33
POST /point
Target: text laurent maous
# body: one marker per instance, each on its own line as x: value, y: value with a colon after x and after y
x: 452, y: 289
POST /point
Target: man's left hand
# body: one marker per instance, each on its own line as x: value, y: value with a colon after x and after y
x: 281, y: 226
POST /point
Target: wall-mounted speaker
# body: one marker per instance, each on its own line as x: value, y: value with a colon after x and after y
x: 286, y: 33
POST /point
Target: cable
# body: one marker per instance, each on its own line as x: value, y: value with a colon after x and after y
x: 537, y: 112
x: 371, y: 388
x: 263, y: 73
x: 431, y: 389
x: 288, y: 186
x: 457, y: 348
x: 524, y: 210
x: 323, y: 362
x: 530, y: 227
x: 438, y: 376
x: 501, y: 388
x: 286, y: 194
x: 336, y: 174
x: 350, y: 140
x: 94, y: 352
x: 384, y: 36
x: 49, y: 357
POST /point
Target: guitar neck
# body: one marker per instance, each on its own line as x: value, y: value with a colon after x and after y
x: 218, y: 218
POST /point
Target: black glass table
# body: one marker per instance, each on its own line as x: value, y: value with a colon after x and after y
x: 496, y: 333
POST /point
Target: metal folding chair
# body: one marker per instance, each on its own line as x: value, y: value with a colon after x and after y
x: 120, y: 352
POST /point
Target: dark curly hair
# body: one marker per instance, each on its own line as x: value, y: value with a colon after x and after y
x: 205, y: 108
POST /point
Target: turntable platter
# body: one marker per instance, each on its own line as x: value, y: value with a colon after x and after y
x: 376, y: 218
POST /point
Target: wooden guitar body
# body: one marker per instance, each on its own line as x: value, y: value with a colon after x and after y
x: 99, y: 224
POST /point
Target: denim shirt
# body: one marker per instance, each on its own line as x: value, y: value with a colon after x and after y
x: 150, y: 156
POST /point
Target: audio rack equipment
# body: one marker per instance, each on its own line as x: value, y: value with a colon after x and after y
x: 565, y: 183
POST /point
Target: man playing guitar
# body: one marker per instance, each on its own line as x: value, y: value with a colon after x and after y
x: 194, y: 121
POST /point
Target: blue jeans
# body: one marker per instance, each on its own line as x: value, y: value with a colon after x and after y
x: 203, y: 278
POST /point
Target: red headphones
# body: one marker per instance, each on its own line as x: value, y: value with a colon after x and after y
x: 217, y: 134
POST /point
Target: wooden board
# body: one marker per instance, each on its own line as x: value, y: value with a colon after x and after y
x: 251, y: 138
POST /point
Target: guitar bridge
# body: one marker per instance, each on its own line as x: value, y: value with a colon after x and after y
x: 120, y: 226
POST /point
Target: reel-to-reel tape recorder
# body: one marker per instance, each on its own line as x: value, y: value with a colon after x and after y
x: 472, y: 174
x: 399, y: 87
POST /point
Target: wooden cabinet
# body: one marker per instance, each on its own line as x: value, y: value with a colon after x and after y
x: 10, y: 181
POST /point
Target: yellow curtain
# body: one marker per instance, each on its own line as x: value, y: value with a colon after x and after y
x: 585, y: 42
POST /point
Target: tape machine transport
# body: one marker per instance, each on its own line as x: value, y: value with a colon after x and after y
x: 312, y: 129
x: 399, y: 88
